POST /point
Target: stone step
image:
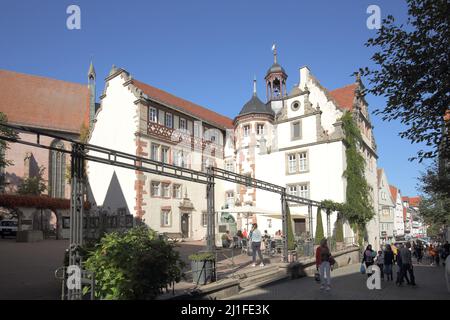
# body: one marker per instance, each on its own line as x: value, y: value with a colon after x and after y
x: 262, y: 280
x: 259, y: 278
x: 250, y: 272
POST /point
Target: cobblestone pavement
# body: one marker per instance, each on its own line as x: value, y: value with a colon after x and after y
x: 27, y: 270
x: 349, y: 284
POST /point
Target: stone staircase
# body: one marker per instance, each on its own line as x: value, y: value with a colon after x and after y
x: 254, y: 277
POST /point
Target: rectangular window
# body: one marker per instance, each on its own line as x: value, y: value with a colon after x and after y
x: 246, y: 130
x: 165, y: 154
x: 166, y: 190
x: 183, y: 124
x: 303, y: 161
x: 197, y: 127
x: 165, y: 218
x: 155, y: 189
x: 152, y: 114
x: 292, y: 190
x: 304, y: 191
x: 154, y: 152
x: 292, y: 163
x: 169, y: 120
x: 204, y: 218
x: 177, y: 191
x: 181, y: 158
x: 260, y: 129
x: 296, y: 132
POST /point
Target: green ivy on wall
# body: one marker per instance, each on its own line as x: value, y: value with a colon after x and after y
x: 358, y: 209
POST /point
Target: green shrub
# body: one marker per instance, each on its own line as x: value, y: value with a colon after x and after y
x: 202, y: 256
x: 319, y: 227
x: 135, y: 264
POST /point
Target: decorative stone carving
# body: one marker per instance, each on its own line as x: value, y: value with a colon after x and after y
x: 308, y: 105
x: 320, y: 132
x: 338, y: 131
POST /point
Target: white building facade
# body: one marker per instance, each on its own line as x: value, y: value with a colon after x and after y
x: 295, y: 140
x: 386, y: 209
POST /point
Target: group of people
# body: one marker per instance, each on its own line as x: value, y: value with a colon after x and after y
x: 436, y: 252
x: 255, y: 237
x: 386, y: 260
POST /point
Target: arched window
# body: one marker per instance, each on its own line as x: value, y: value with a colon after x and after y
x: 57, y: 171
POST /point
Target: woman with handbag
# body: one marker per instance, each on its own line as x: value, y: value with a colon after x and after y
x: 324, y: 260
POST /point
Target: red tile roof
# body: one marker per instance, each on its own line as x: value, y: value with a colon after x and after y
x: 191, y: 108
x: 414, y: 201
x: 344, y: 96
x: 394, y: 191
x: 43, y: 102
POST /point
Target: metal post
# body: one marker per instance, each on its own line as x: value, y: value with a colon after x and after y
x: 211, y: 229
x: 328, y: 224
x: 285, y: 225
x: 76, y: 212
x: 310, y: 222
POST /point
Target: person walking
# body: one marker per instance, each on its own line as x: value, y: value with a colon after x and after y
x: 445, y: 252
x: 256, y: 238
x: 406, y: 267
x: 380, y: 263
x: 324, y: 260
x: 388, y: 262
x: 368, y: 257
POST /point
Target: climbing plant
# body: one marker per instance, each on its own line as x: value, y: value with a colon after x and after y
x: 319, y: 227
x: 358, y: 209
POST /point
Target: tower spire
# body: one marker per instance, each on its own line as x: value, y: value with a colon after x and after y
x: 254, y: 86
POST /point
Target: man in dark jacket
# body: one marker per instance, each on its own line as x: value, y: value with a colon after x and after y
x: 406, y: 264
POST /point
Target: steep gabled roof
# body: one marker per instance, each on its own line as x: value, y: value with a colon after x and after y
x: 43, y: 102
x: 344, y: 96
x: 190, y: 107
x: 394, y: 192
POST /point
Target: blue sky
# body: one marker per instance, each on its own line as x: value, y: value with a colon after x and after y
x: 206, y: 51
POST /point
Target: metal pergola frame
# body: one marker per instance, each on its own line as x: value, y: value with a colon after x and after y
x: 80, y: 152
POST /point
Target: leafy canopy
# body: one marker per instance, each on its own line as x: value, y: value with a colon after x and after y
x: 412, y: 72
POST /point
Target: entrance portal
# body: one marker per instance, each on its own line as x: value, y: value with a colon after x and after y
x: 185, y: 225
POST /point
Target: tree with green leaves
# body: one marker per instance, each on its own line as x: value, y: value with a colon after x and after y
x: 435, y: 201
x: 412, y: 72
x: 319, y: 227
x: 4, y: 146
x: 34, y: 185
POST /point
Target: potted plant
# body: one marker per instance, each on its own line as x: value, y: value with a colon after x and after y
x: 202, y: 264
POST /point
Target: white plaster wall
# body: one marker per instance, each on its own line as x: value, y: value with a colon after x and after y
x: 115, y: 127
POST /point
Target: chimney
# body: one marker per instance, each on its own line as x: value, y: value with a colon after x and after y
x: 304, y: 77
